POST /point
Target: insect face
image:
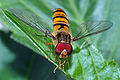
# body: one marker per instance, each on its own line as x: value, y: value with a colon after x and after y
x: 63, y: 49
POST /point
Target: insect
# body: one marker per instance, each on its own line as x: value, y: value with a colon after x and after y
x: 62, y: 38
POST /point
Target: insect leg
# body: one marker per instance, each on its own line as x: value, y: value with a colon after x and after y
x: 68, y: 60
x: 85, y: 44
x: 50, y: 49
x: 55, y: 59
x: 59, y: 66
x: 40, y: 35
x: 63, y: 63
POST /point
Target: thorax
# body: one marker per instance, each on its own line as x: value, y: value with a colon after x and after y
x: 62, y: 37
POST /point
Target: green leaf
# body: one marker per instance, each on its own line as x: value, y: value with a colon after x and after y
x: 85, y: 64
x: 29, y: 32
x: 20, y: 63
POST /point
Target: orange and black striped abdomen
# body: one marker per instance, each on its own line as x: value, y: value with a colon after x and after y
x: 60, y: 21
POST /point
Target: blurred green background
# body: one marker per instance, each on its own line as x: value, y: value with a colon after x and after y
x: 18, y: 62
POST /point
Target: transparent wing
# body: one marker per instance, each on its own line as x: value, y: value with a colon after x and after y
x: 32, y: 20
x: 92, y: 27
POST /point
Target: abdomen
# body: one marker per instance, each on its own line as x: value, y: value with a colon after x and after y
x: 60, y: 21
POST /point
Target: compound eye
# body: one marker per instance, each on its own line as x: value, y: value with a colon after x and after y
x: 68, y: 48
x: 59, y: 48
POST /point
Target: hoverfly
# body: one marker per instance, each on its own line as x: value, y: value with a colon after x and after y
x: 62, y: 38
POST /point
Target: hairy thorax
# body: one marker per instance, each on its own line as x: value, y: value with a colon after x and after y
x: 62, y: 37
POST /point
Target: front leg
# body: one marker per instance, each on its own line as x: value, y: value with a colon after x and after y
x: 85, y: 44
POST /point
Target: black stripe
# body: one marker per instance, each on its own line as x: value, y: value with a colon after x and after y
x: 62, y: 25
x: 61, y: 21
x: 59, y: 11
x: 60, y: 17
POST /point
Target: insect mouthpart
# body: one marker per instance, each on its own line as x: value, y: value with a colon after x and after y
x: 63, y: 54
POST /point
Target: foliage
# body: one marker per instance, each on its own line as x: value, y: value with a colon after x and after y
x: 84, y: 64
